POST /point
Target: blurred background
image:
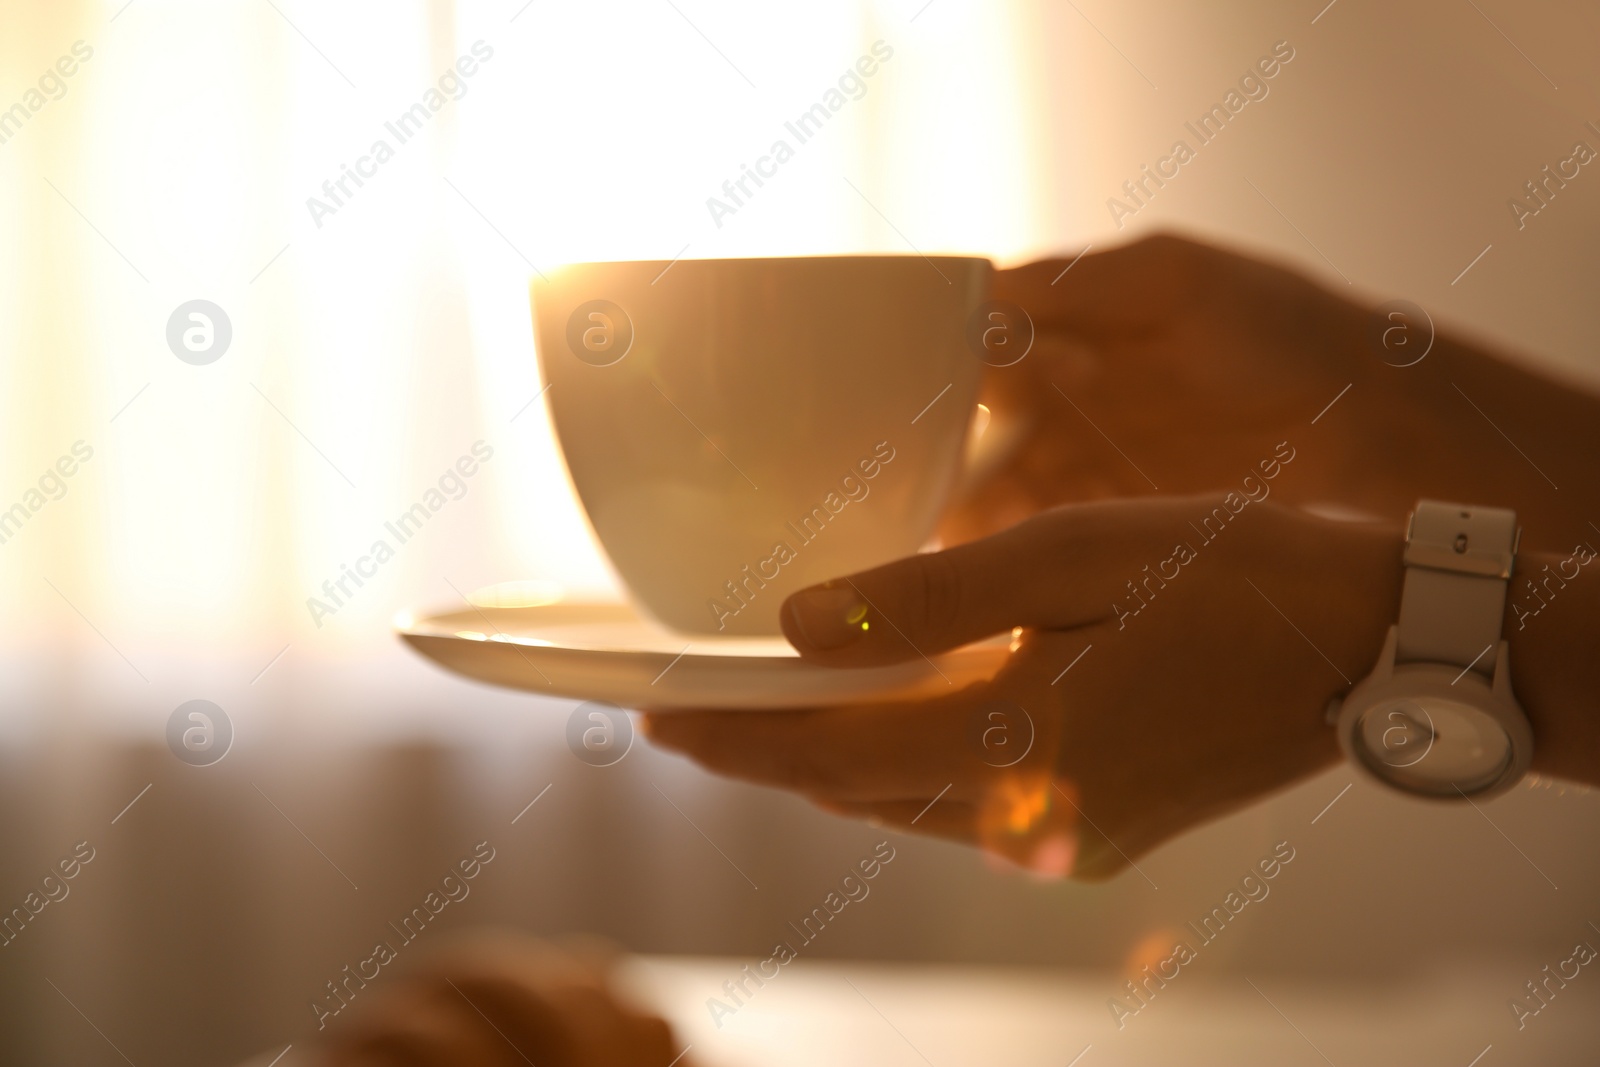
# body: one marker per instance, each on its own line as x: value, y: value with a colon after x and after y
x: 376, y: 337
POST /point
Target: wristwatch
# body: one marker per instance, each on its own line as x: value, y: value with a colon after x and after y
x: 1436, y: 717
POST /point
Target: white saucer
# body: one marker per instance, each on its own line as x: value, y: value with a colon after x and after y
x: 607, y: 652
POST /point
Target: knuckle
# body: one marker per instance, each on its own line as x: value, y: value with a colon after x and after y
x: 1165, y: 242
x: 1183, y: 264
x: 1171, y: 249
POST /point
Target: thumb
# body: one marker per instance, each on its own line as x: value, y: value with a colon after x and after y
x: 1049, y: 571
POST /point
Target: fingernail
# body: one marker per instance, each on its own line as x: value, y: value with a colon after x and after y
x: 828, y: 617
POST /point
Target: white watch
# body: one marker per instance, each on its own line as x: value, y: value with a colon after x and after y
x: 1436, y: 717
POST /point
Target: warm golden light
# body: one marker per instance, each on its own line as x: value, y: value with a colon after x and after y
x: 531, y: 593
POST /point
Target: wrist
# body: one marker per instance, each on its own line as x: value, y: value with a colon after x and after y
x: 1477, y: 428
x: 1371, y: 579
x: 1419, y: 438
x: 1346, y: 578
x: 1548, y: 624
x: 1422, y: 721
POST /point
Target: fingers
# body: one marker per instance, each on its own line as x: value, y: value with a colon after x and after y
x: 1045, y: 845
x: 884, y: 752
x: 978, y: 767
x: 994, y: 743
x: 1128, y: 288
x: 941, y: 817
x: 921, y: 605
x: 1061, y: 569
x: 1057, y: 843
x: 1010, y: 812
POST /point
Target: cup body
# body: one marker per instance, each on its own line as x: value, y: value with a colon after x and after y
x: 739, y: 429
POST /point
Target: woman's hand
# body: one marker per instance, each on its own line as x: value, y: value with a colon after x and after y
x: 1168, y: 363
x: 501, y: 1001
x: 1162, y: 679
x: 1163, y: 363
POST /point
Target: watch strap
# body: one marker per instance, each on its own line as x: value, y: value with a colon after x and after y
x: 1458, y: 561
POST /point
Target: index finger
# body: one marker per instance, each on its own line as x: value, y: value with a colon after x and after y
x: 858, y: 753
x: 890, y: 751
x: 1063, y: 568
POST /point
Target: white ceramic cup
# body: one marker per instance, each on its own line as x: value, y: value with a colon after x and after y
x: 739, y: 429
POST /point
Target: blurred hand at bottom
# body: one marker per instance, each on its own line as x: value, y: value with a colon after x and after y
x: 501, y: 1001
x: 1174, y: 662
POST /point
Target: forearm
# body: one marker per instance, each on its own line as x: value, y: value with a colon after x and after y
x: 1474, y: 427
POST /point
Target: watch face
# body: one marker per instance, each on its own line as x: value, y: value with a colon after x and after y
x: 1434, y: 744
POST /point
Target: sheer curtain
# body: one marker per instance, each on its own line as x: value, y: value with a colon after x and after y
x: 359, y: 194
x: 269, y: 158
